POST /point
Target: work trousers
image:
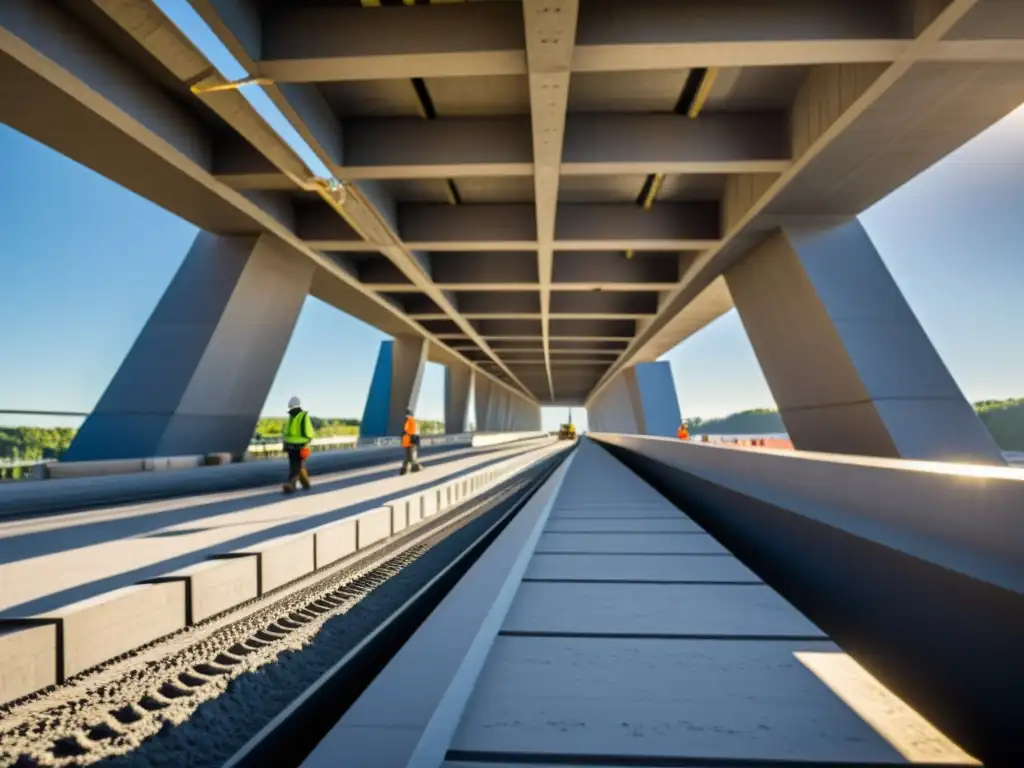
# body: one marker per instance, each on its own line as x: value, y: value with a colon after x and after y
x: 296, y: 467
x: 411, y: 460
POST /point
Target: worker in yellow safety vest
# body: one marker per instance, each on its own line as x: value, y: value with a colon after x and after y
x: 298, y: 433
x: 683, y: 433
x: 411, y: 444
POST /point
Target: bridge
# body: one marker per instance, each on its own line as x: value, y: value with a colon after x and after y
x: 543, y: 196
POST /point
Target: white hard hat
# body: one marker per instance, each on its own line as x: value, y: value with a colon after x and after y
x: 294, y: 403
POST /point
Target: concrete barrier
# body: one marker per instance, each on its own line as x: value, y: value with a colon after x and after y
x: 373, y: 526
x: 399, y: 515
x: 500, y: 438
x: 101, y: 628
x: 217, y: 585
x: 28, y: 660
x: 281, y: 560
x: 915, y: 568
x: 334, y: 541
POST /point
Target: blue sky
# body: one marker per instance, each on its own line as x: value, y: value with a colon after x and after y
x: 83, y: 262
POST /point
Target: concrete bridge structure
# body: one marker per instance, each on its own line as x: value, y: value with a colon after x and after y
x: 543, y: 195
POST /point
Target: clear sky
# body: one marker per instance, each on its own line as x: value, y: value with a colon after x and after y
x: 83, y: 263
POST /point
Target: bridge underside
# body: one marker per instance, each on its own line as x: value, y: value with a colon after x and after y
x: 547, y: 193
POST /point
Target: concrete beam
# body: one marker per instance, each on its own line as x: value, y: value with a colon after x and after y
x: 874, y: 386
x: 198, y: 375
x: 460, y: 147
x: 550, y: 31
x: 395, y: 386
x: 308, y: 43
x: 580, y: 227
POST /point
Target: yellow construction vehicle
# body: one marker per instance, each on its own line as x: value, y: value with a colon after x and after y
x: 567, y: 431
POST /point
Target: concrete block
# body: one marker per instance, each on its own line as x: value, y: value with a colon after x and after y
x: 165, y: 463
x: 28, y: 659
x: 215, y: 586
x: 415, y: 508
x: 60, y: 470
x: 281, y: 560
x: 373, y: 526
x: 399, y: 515
x: 431, y: 498
x: 98, y: 629
x: 334, y: 541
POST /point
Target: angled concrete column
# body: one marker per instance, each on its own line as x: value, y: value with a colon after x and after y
x: 849, y: 365
x: 457, y: 380
x: 395, y: 386
x: 639, y: 401
x: 483, y: 391
x: 198, y: 375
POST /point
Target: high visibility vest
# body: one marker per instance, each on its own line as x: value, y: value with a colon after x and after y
x: 410, y: 429
x: 299, y: 429
x: 683, y: 434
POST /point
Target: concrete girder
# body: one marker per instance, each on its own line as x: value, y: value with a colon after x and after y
x: 580, y: 227
x: 304, y: 43
x: 454, y: 147
x: 550, y: 32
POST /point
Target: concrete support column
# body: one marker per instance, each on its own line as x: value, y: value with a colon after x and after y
x: 482, y: 395
x: 641, y: 400
x: 457, y: 381
x: 198, y: 375
x: 395, y: 386
x: 849, y: 365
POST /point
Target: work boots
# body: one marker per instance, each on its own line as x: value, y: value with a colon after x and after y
x: 304, y: 479
x: 288, y: 487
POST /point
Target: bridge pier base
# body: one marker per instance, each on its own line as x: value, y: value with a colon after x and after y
x: 641, y: 400
x: 395, y: 386
x: 199, y: 373
x: 849, y: 365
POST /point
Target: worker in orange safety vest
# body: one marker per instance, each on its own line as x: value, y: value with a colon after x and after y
x: 411, y: 444
x: 683, y: 433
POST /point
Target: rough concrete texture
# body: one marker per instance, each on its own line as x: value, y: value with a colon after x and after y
x: 399, y: 515
x: 373, y: 526
x: 717, y: 700
x: 98, y: 629
x: 281, y: 560
x: 655, y: 609
x: 662, y: 568
x: 217, y: 585
x: 623, y: 525
x: 631, y: 543
x: 28, y: 660
x: 334, y: 541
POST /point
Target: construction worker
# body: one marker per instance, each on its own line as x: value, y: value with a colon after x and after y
x: 298, y: 432
x: 683, y: 433
x: 411, y: 444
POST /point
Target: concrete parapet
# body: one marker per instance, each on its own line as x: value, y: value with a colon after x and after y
x: 334, y: 541
x: 499, y: 438
x: 96, y: 630
x: 399, y: 515
x: 373, y: 526
x: 217, y: 585
x: 28, y: 659
x: 280, y: 561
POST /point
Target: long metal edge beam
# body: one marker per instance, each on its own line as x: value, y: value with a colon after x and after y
x: 701, y: 275
x: 358, y: 211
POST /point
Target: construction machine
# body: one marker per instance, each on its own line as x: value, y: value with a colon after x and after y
x: 567, y: 431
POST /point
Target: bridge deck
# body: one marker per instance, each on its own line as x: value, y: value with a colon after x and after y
x: 633, y: 637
